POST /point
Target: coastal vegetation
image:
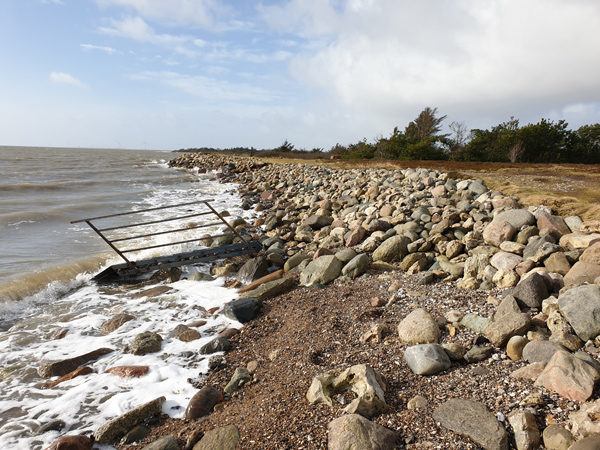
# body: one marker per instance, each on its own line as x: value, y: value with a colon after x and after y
x: 423, y: 139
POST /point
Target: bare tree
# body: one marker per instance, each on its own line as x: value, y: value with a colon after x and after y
x: 459, y: 135
x: 515, y: 153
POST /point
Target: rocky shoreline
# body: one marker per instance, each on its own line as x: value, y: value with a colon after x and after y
x: 393, y: 309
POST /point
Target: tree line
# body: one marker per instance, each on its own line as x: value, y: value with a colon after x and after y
x: 422, y: 139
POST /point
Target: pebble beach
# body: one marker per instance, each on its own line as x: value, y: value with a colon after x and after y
x: 388, y: 309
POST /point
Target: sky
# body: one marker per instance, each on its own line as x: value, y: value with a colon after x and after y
x: 171, y: 74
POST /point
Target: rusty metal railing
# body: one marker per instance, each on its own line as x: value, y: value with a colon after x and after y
x: 145, y: 234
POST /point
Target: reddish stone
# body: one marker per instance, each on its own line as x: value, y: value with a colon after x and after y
x: 213, y: 310
x: 266, y: 195
x: 356, y: 237
x: 549, y: 222
x: 198, y: 323
x: 86, y: 370
x: 72, y: 443
x: 377, y: 301
x: 128, y: 371
x: 203, y: 402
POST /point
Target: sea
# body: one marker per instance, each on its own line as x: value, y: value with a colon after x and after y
x: 51, y: 309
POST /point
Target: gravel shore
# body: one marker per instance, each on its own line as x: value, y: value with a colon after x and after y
x: 475, y: 268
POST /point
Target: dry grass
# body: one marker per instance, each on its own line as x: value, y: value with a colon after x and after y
x: 569, y: 189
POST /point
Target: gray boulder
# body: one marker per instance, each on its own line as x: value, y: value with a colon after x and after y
x: 541, y: 351
x: 219, y: 344
x: 253, y: 269
x: 164, y: 443
x: 516, y: 217
x: 581, y: 307
x: 531, y: 291
x: 357, y: 266
x: 321, y: 271
x: 117, y: 428
x: 270, y: 289
x: 474, y: 420
x: 427, y: 359
x: 541, y: 248
x: 394, y: 248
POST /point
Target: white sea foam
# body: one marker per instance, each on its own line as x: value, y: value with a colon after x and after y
x: 81, y: 307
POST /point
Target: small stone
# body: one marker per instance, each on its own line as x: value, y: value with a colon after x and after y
x: 417, y: 402
x: 203, y: 402
x: 515, y: 346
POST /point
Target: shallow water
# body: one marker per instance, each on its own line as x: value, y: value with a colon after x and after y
x: 45, y: 288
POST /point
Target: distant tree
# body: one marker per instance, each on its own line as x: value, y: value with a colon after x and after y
x: 547, y: 141
x: 426, y: 125
x: 286, y: 147
x: 317, y: 150
x: 588, y: 144
x: 459, y: 136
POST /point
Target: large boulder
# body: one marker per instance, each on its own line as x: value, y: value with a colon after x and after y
x: 498, y: 231
x: 582, y: 272
x: 321, y: 271
x: 539, y: 249
x: 474, y: 420
x: 144, y: 343
x: 541, y: 351
x: 353, y: 431
x: 419, y: 327
x: 394, y: 248
x: 581, y: 307
x: 527, y: 433
x: 569, y: 377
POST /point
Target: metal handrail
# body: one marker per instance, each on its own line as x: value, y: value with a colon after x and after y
x: 121, y: 253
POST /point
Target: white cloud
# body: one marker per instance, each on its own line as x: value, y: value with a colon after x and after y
x: 65, y: 78
x: 90, y: 47
x: 55, y: 2
x: 181, y: 12
x: 137, y: 29
x: 213, y: 90
x: 393, y: 57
